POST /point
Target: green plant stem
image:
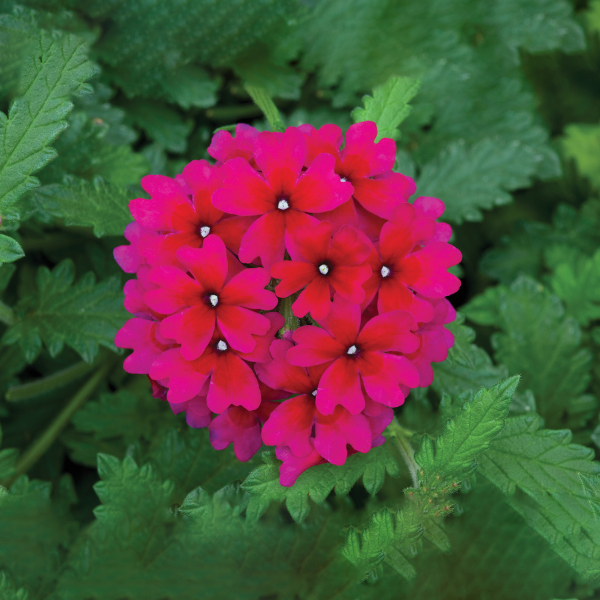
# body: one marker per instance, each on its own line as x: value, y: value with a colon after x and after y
x: 291, y: 321
x: 262, y: 99
x: 41, y: 445
x: 47, y: 384
x: 400, y: 437
x: 7, y: 315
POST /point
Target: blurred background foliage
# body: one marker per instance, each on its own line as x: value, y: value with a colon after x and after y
x: 505, y: 130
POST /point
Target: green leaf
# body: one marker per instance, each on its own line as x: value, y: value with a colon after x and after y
x: 8, y: 459
x: 58, y: 68
x: 591, y: 486
x: 582, y: 144
x: 388, y: 106
x: 317, y: 482
x: 10, y: 250
x: 468, y: 435
x: 470, y: 179
x: 191, y: 87
x: 8, y: 591
x: 467, y: 367
x: 36, y: 530
x: 83, y: 316
x: 161, y: 123
x: 577, y: 284
x: 538, y: 341
x: 100, y: 204
x: 539, y: 470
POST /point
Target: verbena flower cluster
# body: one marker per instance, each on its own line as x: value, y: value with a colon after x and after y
x: 305, y: 214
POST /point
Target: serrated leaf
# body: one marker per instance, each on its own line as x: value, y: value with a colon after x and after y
x: 82, y: 315
x: 591, y: 486
x: 469, y: 434
x: 191, y: 86
x: 58, y: 68
x: 581, y: 143
x: 388, y: 106
x: 99, y: 204
x: 317, y: 482
x: 480, y: 177
x: 538, y: 341
x: 467, y: 367
x: 539, y: 470
x: 577, y: 283
x: 10, y: 249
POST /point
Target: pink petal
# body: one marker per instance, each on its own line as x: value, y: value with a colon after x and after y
x: 290, y: 424
x: 139, y: 335
x: 360, y: 139
x: 273, y: 152
x: 232, y: 383
x: 239, y: 426
x: 292, y: 466
x: 177, y: 290
x: 384, y: 386
x: 264, y: 239
x: 389, y: 331
x: 319, y: 188
x: 224, y: 146
x: 315, y: 347
x: 333, y: 433
x: 294, y: 276
x: 313, y: 242
x: 348, y: 282
x: 340, y: 385
x: 239, y: 325
x: 342, y: 216
x: 315, y: 298
x: 208, y: 264
x: 261, y: 354
x: 279, y: 374
x: 197, y: 413
x: 244, y: 191
x: 381, y: 194
x: 343, y: 321
x: 247, y: 289
x: 192, y: 328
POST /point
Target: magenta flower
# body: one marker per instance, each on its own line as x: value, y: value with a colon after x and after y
x: 224, y: 146
x: 325, y: 266
x: 410, y: 260
x: 200, y: 302
x: 297, y: 423
x: 281, y: 196
x: 368, y: 167
x: 225, y: 371
x: 360, y: 356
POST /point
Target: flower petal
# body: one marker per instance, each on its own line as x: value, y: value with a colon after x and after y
x: 340, y: 385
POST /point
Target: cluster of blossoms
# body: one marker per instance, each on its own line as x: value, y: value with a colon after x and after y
x: 305, y: 216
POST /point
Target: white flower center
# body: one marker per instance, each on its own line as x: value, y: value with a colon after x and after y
x: 204, y: 230
x: 214, y: 299
x: 283, y: 205
x: 385, y: 271
x: 352, y: 350
x: 343, y: 180
x: 221, y: 345
x: 324, y: 269
x: 314, y: 393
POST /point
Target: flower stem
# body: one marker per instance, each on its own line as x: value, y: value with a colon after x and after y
x: 262, y: 99
x: 41, y: 445
x: 291, y: 321
x: 47, y: 384
x: 7, y: 315
x: 400, y: 437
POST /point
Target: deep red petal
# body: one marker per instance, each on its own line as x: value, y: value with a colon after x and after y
x: 279, y: 374
x: 294, y: 276
x: 340, y: 385
x: 239, y: 325
x: 192, y: 328
x: 247, y: 289
x: 389, y: 331
x: 264, y: 239
x: 343, y: 321
x: 208, y: 264
x: 315, y: 347
x: 232, y: 383
x: 315, y: 298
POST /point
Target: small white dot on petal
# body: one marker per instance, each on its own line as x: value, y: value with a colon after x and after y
x: 343, y: 180
x: 314, y: 393
x: 204, y: 230
x: 214, y: 299
x: 324, y: 269
x: 283, y: 205
x: 385, y: 271
x: 221, y: 345
x: 352, y: 349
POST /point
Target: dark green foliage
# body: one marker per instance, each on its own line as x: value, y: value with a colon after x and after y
x: 479, y: 491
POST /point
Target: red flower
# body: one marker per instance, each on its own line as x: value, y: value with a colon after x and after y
x: 368, y: 167
x: 282, y: 195
x: 324, y: 265
x: 198, y: 303
x: 224, y: 146
x: 409, y: 260
x: 232, y: 381
x: 359, y: 356
x: 297, y: 423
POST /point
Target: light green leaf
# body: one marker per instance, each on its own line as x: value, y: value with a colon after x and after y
x: 100, y: 204
x: 317, y: 482
x: 388, y: 106
x: 10, y: 250
x: 539, y: 470
x: 58, y: 68
x: 582, y: 144
x: 191, y: 86
x: 83, y: 316
x: 468, y: 435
